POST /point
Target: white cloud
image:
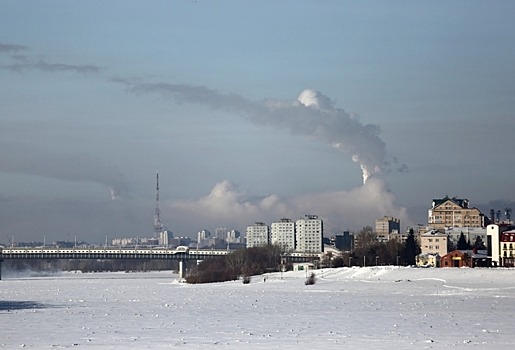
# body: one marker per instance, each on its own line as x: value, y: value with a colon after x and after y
x: 228, y: 205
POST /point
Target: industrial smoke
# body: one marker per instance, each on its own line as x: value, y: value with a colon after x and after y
x: 312, y: 115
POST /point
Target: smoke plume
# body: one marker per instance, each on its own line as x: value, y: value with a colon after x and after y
x: 66, y: 167
x: 312, y: 115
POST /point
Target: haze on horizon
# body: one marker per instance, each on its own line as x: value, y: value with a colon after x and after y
x: 251, y: 112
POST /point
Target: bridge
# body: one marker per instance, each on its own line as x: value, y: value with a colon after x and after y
x: 181, y: 253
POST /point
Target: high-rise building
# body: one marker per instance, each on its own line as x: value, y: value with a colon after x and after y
x: 344, y: 241
x: 283, y: 234
x: 165, y: 238
x: 257, y: 235
x: 234, y: 236
x: 221, y: 233
x: 308, y: 234
x: 387, y: 225
x: 203, y: 238
x: 204, y: 234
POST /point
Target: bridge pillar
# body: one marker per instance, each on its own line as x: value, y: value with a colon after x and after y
x: 182, y: 269
x: 1, y: 269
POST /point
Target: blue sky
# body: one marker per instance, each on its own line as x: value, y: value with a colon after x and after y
x: 95, y: 96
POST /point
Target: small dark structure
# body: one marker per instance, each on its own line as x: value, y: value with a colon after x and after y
x: 456, y: 258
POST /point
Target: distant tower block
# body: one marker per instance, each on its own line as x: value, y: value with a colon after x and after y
x: 158, y: 226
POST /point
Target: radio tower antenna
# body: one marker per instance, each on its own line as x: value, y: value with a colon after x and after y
x: 158, y: 226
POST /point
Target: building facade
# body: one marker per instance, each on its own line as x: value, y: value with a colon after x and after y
x: 497, y: 248
x: 433, y: 242
x: 343, y: 242
x: 454, y: 212
x: 309, y: 232
x: 165, y: 238
x: 388, y: 225
x: 428, y: 260
x: 507, y: 248
x: 456, y: 258
x: 234, y: 236
x: 283, y: 234
x: 257, y: 235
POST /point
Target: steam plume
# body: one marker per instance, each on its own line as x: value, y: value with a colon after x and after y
x: 312, y: 114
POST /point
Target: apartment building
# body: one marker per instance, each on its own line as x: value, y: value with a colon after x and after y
x: 257, y: 235
x: 388, y: 225
x: 433, y: 242
x: 454, y: 212
x: 309, y: 233
x: 283, y: 234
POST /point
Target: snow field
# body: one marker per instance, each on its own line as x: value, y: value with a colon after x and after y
x: 373, y: 307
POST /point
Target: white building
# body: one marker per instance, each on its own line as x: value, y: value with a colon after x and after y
x: 258, y: 235
x: 204, y: 234
x: 165, y: 238
x: 309, y: 232
x: 234, y: 236
x: 203, y: 239
x: 283, y: 234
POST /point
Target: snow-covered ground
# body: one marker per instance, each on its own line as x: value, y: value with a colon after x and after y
x: 351, y: 308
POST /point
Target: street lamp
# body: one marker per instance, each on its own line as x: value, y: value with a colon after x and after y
x: 350, y: 259
x: 377, y: 258
x: 364, y: 260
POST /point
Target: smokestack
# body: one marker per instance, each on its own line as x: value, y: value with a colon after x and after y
x: 492, y: 216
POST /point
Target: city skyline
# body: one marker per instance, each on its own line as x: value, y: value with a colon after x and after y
x: 251, y: 112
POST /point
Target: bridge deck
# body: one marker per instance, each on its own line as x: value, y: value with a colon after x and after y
x: 107, y: 253
x: 180, y: 253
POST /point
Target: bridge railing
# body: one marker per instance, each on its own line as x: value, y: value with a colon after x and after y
x: 105, y: 252
x: 120, y: 253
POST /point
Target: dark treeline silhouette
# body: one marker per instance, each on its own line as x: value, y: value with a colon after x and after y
x: 368, y: 251
x: 240, y: 263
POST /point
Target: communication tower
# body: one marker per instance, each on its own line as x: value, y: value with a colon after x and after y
x: 158, y: 226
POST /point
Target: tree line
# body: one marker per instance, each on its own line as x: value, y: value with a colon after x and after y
x: 244, y: 263
x: 369, y: 251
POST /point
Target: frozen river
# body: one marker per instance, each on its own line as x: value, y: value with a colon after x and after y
x: 373, y: 308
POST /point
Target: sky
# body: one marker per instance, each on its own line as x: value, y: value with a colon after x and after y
x: 250, y: 111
